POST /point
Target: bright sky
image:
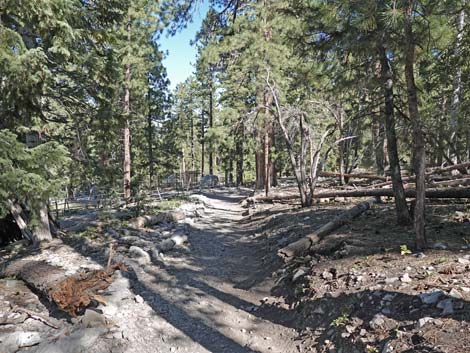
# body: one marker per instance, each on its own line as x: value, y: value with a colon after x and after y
x: 181, y: 55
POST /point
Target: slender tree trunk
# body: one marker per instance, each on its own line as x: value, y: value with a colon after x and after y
x: 193, y: 165
x: 150, y: 150
x: 239, y: 153
x: 418, y: 135
x: 127, y: 132
x: 211, y: 125
x: 403, y: 215
x: 202, y: 144
x: 267, y: 178
x: 455, y: 121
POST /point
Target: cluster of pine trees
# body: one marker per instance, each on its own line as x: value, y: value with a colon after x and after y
x: 280, y: 88
x: 292, y: 87
x: 82, y: 92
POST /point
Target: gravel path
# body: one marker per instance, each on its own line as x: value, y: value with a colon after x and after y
x: 208, y: 298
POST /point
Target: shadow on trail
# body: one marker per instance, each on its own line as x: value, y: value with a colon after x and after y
x: 233, y: 258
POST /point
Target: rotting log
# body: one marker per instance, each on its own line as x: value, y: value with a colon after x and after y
x: 71, y: 294
x: 302, y: 245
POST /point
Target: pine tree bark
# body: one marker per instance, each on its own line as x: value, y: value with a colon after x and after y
x: 403, y: 215
x: 127, y: 132
x: 418, y: 135
x: 211, y: 125
x: 42, y: 231
x: 203, y: 152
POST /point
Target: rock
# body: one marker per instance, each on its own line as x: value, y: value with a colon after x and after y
x: 440, y: 246
x: 179, y: 239
x: 166, y: 245
x: 142, y: 257
x: 388, y: 348
x: 465, y: 289
x: 363, y: 332
x: 463, y: 261
x: 128, y: 239
x: 447, y: 306
x: 389, y: 297
x: 302, y: 271
x: 319, y: 310
x: 431, y: 297
x: 454, y: 293
x: 406, y: 278
x: 420, y: 255
x: 327, y: 275
x: 79, y: 341
x: 391, y: 280
x: 138, y: 299
x: 92, y: 318
x: 12, y: 341
x: 423, y: 321
x: 386, y: 311
x: 377, y: 321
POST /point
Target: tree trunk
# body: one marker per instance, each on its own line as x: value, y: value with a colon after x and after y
x: 403, y: 216
x: 127, y: 133
x: 42, y: 231
x: 239, y: 153
x: 418, y: 135
x: 211, y: 122
x: 150, y: 150
x: 202, y: 143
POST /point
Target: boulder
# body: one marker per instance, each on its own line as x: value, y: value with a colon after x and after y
x: 142, y: 256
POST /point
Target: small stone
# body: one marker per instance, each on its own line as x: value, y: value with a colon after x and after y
x: 431, y: 297
x: 140, y: 255
x: 420, y: 255
x: 463, y: 261
x: 440, y: 246
x: 363, y: 332
x: 138, y: 299
x: 391, y: 280
x: 350, y: 328
x: 447, y: 306
x: 92, y: 318
x: 319, y: 310
x: 423, y: 321
x: 377, y: 321
x: 389, y: 297
x: 327, y: 275
x: 299, y: 273
x: 386, y: 311
x: 454, y: 293
x: 406, y: 278
x: 465, y: 289
x: 388, y: 348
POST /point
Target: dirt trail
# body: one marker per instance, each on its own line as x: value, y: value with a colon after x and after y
x: 208, y: 298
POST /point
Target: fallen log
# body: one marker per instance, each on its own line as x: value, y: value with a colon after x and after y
x: 149, y: 220
x: 433, y: 171
x: 453, y: 182
x: 70, y: 293
x: 301, y: 246
x: 445, y: 193
x: 354, y: 176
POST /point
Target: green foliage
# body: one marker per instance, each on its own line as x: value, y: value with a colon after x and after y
x: 30, y: 175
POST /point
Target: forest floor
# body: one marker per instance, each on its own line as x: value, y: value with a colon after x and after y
x: 226, y: 291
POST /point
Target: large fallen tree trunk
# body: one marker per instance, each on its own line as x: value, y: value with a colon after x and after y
x: 354, y: 176
x: 150, y: 220
x: 69, y: 293
x: 446, y: 193
x: 302, y: 245
x: 430, y: 172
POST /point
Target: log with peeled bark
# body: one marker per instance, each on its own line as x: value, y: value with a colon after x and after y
x: 354, y: 176
x: 442, y: 193
x: 435, y: 193
x: 302, y: 245
x: 430, y: 172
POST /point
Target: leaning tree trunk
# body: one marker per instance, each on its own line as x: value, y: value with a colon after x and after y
x: 418, y: 136
x: 403, y: 215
